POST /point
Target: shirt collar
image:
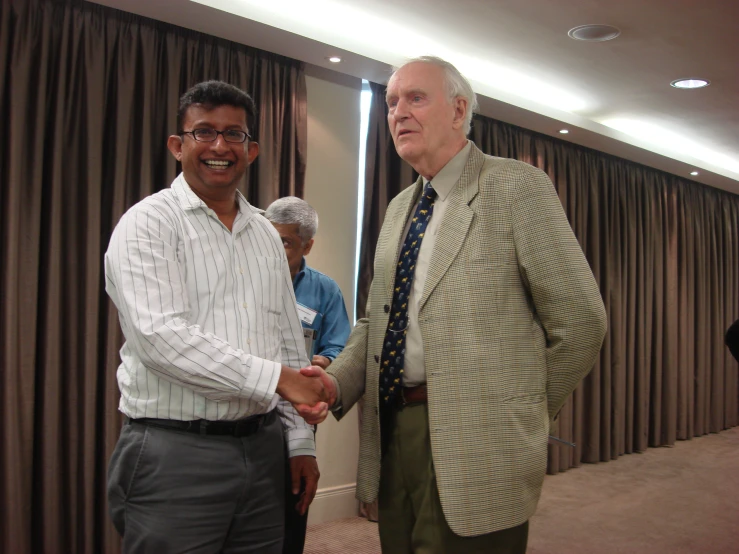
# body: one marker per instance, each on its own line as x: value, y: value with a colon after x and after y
x: 188, y: 200
x: 301, y: 272
x: 449, y: 175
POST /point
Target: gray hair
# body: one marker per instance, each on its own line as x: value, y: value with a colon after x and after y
x: 292, y: 210
x: 457, y: 85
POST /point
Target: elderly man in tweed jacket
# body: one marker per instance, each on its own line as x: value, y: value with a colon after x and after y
x: 503, y: 318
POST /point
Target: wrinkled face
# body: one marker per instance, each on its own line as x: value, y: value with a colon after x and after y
x: 210, y: 167
x: 422, y: 119
x: 294, y: 246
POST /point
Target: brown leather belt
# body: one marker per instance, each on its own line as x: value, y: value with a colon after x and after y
x: 412, y: 395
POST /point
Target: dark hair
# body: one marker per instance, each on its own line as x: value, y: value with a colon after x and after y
x: 212, y: 94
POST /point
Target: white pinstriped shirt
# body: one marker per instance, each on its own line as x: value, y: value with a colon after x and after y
x: 208, y: 315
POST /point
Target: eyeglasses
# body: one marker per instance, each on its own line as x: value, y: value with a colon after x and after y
x: 210, y: 135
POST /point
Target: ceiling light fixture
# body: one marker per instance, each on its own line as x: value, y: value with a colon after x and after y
x: 334, y: 59
x: 689, y: 83
x: 694, y: 173
x: 564, y: 131
x: 594, y: 33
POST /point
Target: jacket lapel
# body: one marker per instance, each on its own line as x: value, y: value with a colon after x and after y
x: 396, y: 235
x: 456, y: 223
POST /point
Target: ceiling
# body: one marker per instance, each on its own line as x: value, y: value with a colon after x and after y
x: 613, y: 96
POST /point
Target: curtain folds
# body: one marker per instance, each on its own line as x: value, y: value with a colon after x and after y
x: 89, y: 97
x: 665, y: 252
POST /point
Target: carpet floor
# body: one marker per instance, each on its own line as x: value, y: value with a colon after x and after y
x: 679, y: 500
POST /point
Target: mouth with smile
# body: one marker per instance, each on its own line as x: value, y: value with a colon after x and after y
x: 218, y: 164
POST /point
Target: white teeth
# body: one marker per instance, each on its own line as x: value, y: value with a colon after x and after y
x: 217, y: 163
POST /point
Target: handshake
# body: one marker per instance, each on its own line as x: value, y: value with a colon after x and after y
x: 310, y: 390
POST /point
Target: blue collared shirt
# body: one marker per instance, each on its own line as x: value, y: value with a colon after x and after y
x: 320, y: 293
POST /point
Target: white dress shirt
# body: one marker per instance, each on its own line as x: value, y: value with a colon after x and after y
x: 414, y: 370
x: 208, y: 314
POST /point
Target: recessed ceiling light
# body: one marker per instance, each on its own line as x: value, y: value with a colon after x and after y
x: 334, y: 59
x: 594, y: 33
x: 564, y: 131
x: 694, y: 173
x: 690, y: 83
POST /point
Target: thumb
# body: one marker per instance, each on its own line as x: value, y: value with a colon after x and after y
x: 295, y: 475
x: 310, y: 371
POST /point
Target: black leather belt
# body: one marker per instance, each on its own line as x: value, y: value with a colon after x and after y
x: 237, y: 428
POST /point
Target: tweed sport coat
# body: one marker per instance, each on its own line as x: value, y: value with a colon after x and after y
x: 511, y: 319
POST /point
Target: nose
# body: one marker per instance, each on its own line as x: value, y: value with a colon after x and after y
x: 400, y: 110
x: 220, y: 144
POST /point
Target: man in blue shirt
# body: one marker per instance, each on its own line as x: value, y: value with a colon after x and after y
x: 321, y: 310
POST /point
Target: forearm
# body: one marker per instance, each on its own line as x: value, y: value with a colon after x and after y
x: 349, y: 370
x: 570, y: 360
x: 184, y: 355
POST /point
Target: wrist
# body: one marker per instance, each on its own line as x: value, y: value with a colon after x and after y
x: 286, y: 375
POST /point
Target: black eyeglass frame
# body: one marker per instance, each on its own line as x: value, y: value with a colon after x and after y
x: 215, y: 138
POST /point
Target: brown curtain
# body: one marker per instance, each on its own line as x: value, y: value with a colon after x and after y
x: 665, y: 251
x: 88, y: 99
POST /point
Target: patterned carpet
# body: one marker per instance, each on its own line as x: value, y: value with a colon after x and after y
x: 680, y: 500
x: 354, y: 535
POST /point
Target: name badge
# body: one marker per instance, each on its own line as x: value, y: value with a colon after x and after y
x: 309, y: 335
x: 306, y: 315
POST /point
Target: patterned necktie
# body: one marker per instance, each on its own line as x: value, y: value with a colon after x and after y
x: 393, y: 349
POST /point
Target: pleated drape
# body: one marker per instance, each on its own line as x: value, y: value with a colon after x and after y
x: 88, y: 99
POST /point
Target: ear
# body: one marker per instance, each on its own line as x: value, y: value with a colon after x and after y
x: 460, y: 112
x: 307, y: 247
x: 252, y: 151
x: 174, y: 144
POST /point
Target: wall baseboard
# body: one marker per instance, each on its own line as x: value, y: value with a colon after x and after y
x: 334, y: 503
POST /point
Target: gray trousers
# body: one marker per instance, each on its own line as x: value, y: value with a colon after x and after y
x: 172, y: 491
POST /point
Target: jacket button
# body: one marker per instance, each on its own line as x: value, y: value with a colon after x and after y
x: 387, y: 309
x: 377, y: 358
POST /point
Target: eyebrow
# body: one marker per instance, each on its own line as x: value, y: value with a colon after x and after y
x: 417, y: 91
x: 412, y: 92
x: 211, y: 126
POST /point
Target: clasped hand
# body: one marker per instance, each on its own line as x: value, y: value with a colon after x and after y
x: 310, y: 390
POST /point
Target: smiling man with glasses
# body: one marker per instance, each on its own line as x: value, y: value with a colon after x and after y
x: 206, y: 304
